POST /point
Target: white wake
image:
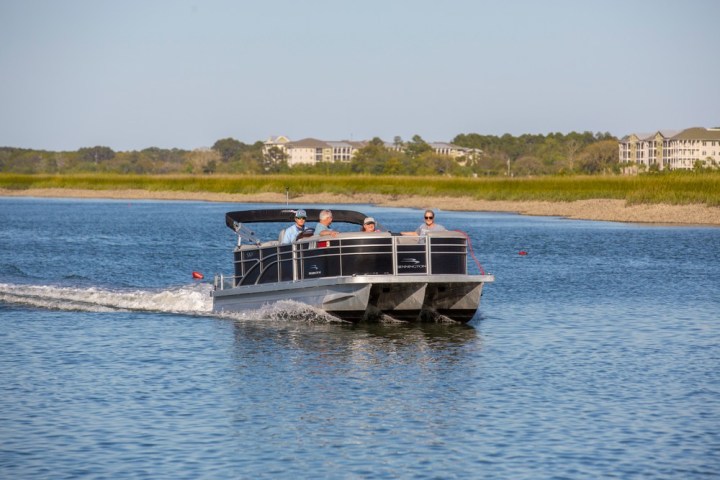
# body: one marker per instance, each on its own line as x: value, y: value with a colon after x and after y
x: 192, y: 299
x: 189, y: 300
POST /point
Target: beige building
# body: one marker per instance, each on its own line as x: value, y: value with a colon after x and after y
x: 461, y: 154
x: 671, y: 150
x: 310, y: 151
x: 441, y: 148
x: 344, y: 151
x: 451, y: 150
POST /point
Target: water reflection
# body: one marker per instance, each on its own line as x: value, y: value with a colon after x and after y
x: 423, y: 342
x: 434, y: 334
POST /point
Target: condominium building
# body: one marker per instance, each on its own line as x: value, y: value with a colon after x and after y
x: 671, y: 150
x: 310, y: 151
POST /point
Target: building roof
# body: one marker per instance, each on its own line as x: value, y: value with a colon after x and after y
x: 698, y: 133
x: 452, y: 146
x: 663, y: 133
x: 308, y: 143
x: 666, y: 133
x: 651, y: 136
x: 275, y: 139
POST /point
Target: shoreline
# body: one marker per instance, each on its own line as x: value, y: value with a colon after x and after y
x: 597, y: 209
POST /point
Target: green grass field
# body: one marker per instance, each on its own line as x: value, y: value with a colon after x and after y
x: 673, y: 188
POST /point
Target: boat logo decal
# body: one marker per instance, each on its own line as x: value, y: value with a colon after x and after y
x: 410, y: 263
x: 410, y: 260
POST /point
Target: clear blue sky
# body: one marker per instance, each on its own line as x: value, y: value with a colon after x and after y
x: 132, y: 74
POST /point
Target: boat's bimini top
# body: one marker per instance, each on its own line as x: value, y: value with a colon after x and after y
x: 287, y: 215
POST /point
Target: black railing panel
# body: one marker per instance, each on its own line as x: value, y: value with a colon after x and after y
x: 351, y: 254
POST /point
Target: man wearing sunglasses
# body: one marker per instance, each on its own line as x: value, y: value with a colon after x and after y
x: 428, y: 226
x: 293, y: 231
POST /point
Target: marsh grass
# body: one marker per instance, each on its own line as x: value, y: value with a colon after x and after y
x: 672, y: 188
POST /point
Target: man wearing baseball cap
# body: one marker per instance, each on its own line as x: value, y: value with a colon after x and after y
x: 294, y: 230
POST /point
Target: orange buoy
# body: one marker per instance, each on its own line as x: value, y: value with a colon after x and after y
x: 197, y: 275
x: 522, y: 252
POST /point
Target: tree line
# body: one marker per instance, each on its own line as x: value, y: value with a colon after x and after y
x: 490, y: 155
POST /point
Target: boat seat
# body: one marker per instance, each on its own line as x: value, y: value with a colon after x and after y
x: 271, y: 243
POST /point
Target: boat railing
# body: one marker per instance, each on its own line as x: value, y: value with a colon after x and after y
x: 348, y: 254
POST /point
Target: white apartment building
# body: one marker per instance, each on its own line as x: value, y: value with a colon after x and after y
x: 671, y: 150
x: 310, y: 151
x: 454, y: 151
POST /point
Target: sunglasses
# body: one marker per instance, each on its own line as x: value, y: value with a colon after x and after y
x: 299, y: 218
x: 429, y: 218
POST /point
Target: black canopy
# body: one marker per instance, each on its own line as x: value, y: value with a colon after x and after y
x: 288, y: 214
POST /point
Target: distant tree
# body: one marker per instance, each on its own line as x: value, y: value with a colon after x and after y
x: 251, y: 162
x: 431, y: 163
x: 528, y: 165
x: 705, y: 165
x: 60, y: 161
x: 572, y: 147
x: 210, y: 167
x: 371, y: 158
x: 489, y: 165
x: 275, y: 160
x: 604, y: 136
x: 96, y: 154
x: 22, y: 160
x: 137, y: 162
x: 393, y: 165
x: 229, y: 147
x: 600, y: 157
x: 416, y: 147
x: 197, y: 160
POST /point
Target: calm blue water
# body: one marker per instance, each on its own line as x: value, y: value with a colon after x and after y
x: 597, y: 355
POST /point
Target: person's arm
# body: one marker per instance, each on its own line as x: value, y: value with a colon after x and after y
x: 319, y: 228
x: 289, y: 235
x: 416, y: 233
x: 322, y: 231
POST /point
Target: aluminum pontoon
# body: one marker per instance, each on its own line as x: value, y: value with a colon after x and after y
x: 354, y: 276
